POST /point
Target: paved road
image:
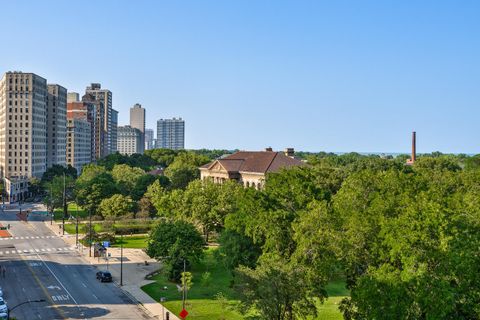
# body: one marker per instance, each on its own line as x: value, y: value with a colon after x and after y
x: 40, y: 265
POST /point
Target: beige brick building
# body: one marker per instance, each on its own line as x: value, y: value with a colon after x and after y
x: 129, y: 140
x: 249, y: 167
x: 79, y: 148
x: 23, y: 130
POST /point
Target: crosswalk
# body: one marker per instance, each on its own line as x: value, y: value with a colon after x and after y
x: 29, y: 238
x: 40, y: 250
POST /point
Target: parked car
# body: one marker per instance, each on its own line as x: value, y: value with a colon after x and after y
x: 104, y: 276
x: 3, y: 306
x: 1, y: 292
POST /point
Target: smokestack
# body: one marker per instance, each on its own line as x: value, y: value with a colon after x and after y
x: 414, y: 146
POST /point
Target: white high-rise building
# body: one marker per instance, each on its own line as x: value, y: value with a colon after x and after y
x: 171, y: 133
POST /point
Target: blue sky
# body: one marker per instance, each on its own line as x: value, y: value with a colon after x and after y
x: 314, y: 75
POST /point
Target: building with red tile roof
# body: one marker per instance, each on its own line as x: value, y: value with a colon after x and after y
x: 249, y: 167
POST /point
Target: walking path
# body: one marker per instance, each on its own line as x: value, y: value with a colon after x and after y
x: 136, y: 266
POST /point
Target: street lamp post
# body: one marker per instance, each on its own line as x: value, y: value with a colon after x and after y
x: 90, y: 233
x: 25, y: 302
x: 64, y: 205
x: 121, y: 259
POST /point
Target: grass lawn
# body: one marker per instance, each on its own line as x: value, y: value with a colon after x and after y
x: 329, y: 309
x: 134, y: 242
x: 202, y: 304
x: 82, y: 227
x: 73, y: 210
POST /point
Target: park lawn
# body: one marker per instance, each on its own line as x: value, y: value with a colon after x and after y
x: 82, y: 227
x: 329, y: 309
x: 202, y: 304
x: 134, y: 242
x: 73, y: 210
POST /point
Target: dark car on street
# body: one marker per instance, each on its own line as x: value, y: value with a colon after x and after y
x: 104, y: 276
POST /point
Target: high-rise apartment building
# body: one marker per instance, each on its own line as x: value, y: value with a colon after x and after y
x: 104, y: 96
x: 85, y: 111
x: 137, y: 120
x: 171, y: 133
x: 129, y: 140
x: 56, y: 125
x: 114, y: 130
x: 23, y: 131
x: 149, y: 139
x: 79, y: 142
x: 100, y: 133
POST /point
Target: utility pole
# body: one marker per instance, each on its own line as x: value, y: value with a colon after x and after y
x: 121, y: 259
x: 90, y: 233
x: 76, y: 229
x: 64, y: 205
x: 184, y: 280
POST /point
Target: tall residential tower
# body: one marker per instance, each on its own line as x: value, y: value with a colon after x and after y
x: 171, y: 133
x: 137, y: 121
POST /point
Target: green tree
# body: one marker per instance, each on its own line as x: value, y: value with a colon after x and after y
x: 55, y: 192
x: 174, y: 242
x: 126, y: 177
x: 145, y: 209
x: 58, y: 170
x: 117, y: 206
x: 90, y: 191
x: 184, y: 169
x: 277, y: 290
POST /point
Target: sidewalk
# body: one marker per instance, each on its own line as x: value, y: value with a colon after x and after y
x: 134, y: 271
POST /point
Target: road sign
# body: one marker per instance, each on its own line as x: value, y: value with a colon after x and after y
x: 183, y: 314
x: 106, y: 244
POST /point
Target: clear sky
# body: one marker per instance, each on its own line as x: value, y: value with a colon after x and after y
x: 247, y: 74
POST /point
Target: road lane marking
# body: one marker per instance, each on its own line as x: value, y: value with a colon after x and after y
x: 95, y: 297
x: 83, y: 284
x: 58, y: 280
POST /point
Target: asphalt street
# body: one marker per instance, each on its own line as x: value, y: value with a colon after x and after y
x: 41, y: 266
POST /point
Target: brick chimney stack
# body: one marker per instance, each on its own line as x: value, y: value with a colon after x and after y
x: 414, y: 146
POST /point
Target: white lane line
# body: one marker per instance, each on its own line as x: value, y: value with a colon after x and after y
x: 83, y: 284
x: 95, y: 296
x: 23, y: 289
x: 58, y: 280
